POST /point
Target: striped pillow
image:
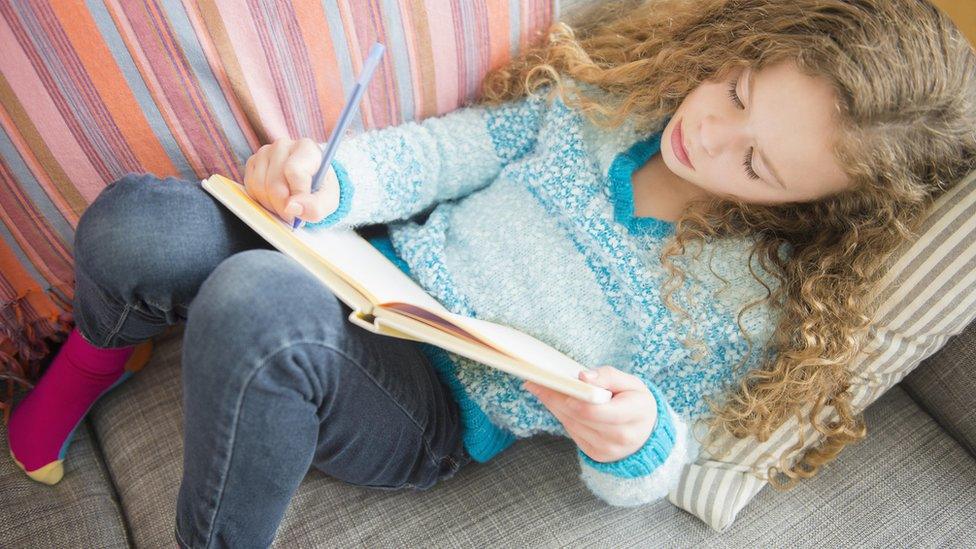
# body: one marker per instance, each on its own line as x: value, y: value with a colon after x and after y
x: 92, y: 90
x: 927, y: 296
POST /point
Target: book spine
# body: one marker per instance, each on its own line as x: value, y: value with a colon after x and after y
x: 377, y: 326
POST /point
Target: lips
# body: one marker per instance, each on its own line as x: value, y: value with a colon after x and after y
x: 678, y: 146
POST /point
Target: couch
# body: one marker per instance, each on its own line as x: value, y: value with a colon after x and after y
x: 911, y: 482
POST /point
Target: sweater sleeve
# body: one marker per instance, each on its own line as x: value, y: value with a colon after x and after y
x: 395, y: 172
x: 652, y: 470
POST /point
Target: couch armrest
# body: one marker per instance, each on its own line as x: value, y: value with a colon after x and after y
x: 945, y: 385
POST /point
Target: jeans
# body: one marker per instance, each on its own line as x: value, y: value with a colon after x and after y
x: 275, y: 378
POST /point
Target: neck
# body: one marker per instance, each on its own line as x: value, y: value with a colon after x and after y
x: 661, y: 194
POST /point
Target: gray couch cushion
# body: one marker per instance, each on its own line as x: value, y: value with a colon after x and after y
x: 909, y: 482
x: 79, y: 511
x: 945, y: 386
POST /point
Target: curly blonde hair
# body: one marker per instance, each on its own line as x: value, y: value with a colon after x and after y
x: 905, y: 82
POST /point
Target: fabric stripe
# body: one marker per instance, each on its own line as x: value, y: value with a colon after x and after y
x: 498, y: 26
x: 52, y: 130
x: 56, y: 66
x: 397, y: 49
x: 936, y: 254
x: 720, y: 494
x: 16, y: 169
x: 137, y: 87
x: 78, y: 86
x: 381, y: 94
x: 26, y: 225
x: 226, y: 67
x: 515, y: 26
x: 342, y: 59
x: 196, y: 48
x: 445, y: 56
x: 706, y: 486
x: 29, y: 150
x: 912, y: 331
x: 310, y: 17
x: 423, y: 59
x: 253, y: 79
x: 947, y: 214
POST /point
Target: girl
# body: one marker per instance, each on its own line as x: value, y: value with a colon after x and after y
x: 696, y: 195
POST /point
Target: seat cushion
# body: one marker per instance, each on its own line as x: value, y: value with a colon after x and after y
x: 908, y: 481
x: 79, y: 511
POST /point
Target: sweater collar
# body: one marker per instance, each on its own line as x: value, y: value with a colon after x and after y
x: 622, y: 190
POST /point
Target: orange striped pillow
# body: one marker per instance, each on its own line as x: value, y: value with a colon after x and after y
x: 91, y: 91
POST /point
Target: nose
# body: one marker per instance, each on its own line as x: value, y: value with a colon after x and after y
x: 719, y: 134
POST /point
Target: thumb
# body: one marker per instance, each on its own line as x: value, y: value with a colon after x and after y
x: 312, y: 207
x: 294, y: 207
x: 612, y: 379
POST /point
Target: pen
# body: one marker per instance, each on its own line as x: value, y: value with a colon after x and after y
x: 375, y: 53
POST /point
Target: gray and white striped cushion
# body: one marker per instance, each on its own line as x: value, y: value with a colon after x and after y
x: 927, y: 296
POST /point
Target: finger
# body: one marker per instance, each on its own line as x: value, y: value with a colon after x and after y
x: 585, y: 437
x: 317, y: 205
x: 594, y: 415
x: 603, y: 443
x: 302, y: 164
x: 255, y: 185
x: 277, y: 188
x: 624, y: 408
x: 613, y: 379
x: 553, y: 400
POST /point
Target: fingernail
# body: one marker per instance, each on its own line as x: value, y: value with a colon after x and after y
x: 294, y: 209
x: 589, y: 373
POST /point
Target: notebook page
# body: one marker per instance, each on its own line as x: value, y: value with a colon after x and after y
x: 520, y: 345
x: 343, y: 251
x: 367, y: 267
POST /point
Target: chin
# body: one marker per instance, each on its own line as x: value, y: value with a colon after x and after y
x: 671, y: 161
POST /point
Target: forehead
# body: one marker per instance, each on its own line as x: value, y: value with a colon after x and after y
x: 793, y: 116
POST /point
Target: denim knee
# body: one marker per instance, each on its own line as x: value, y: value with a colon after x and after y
x: 255, y: 303
x: 111, y: 241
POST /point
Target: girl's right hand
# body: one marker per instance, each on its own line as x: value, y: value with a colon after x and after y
x: 279, y: 176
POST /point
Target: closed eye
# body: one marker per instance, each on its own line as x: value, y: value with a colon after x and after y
x: 748, y: 159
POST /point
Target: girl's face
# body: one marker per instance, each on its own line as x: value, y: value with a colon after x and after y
x: 763, y: 137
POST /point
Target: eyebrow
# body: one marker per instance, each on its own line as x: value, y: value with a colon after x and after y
x: 766, y: 162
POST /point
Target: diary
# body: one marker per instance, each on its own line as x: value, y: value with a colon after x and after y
x: 386, y: 301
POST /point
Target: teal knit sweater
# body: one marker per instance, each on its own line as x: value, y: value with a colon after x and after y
x: 531, y: 225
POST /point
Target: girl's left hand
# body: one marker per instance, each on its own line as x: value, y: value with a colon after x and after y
x: 604, y: 432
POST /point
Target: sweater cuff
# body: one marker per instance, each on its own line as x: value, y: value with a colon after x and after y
x: 629, y: 492
x: 646, y: 459
x: 346, y: 191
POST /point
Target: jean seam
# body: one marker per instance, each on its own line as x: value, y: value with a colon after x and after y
x: 179, y: 539
x: 155, y: 305
x: 262, y: 363
x: 118, y: 325
x: 105, y: 297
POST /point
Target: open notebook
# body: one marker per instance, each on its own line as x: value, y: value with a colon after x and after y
x: 386, y: 301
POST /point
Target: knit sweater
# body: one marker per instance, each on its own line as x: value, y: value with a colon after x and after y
x: 530, y: 223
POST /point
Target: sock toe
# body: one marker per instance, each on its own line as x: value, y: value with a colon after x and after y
x: 49, y: 474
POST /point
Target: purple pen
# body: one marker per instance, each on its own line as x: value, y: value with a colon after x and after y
x: 369, y: 67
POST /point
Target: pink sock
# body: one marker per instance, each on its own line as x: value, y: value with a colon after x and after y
x: 41, y: 425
